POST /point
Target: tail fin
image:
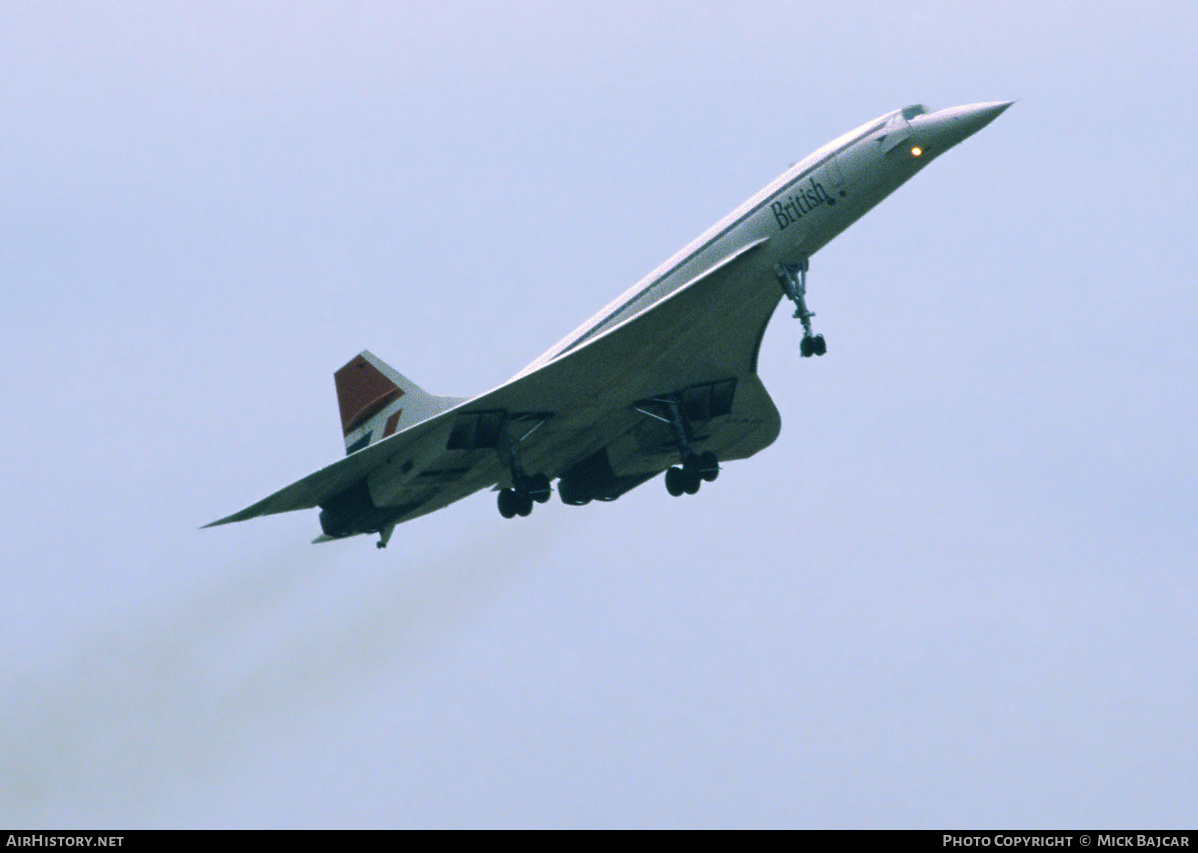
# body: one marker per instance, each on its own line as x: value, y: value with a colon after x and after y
x: 377, y: 401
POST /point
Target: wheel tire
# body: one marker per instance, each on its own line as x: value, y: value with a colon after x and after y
x: 507, y: 503
x: 675, y: 481
x: 806, y: 347
x: 819, y: 347
x: 691, y: 482
x: 523, y: 505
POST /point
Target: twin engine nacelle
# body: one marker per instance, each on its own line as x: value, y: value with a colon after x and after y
x: 354, y: 511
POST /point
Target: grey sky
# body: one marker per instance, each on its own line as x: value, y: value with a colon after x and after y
x: 959, y: 590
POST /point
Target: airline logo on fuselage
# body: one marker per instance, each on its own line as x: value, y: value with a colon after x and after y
x: 804, y: 199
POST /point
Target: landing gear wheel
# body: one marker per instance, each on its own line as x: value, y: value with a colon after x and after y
x: 691, y: 482
x: 524, y: 507
x: 509, y: 503
x: 813, y: 345
x: 384, y: 535
x: 707, y: 466
x: 675, y: 481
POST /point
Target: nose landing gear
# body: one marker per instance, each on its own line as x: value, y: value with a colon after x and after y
x: 793, y: 278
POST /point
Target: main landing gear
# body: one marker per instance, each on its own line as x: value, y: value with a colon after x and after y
x: 696, y: 467
x: 526, y: 488
x: 793, y: 278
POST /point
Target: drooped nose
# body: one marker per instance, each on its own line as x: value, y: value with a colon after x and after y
x: 948, y: 127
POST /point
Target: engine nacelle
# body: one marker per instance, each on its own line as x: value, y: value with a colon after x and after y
x: 593, y: 479
x: 354, y: 511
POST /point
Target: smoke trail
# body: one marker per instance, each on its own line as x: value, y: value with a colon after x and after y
x: 169, y: 696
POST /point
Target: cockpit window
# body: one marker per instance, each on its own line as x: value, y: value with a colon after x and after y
x: 913, y: 111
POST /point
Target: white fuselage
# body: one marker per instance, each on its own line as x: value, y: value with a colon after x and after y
x: 804, y: 208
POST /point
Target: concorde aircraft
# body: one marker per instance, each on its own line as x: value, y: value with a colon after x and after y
x: 664, y: 378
